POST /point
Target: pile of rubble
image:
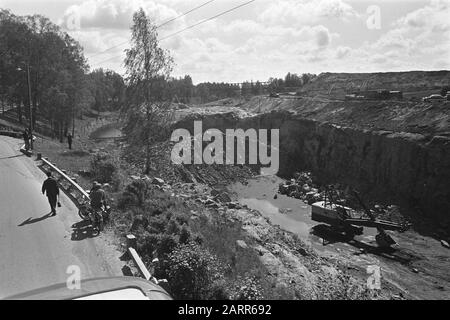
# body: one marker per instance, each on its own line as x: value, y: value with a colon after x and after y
x: 197, y: 192
x: 301, y: 187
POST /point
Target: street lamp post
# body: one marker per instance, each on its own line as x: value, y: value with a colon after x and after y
x: 30, y: 126
x: 31, y: 109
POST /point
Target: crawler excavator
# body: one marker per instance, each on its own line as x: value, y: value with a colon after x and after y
x: 342, y: 219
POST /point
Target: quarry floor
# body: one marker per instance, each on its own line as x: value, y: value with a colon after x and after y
x: 417, y: 268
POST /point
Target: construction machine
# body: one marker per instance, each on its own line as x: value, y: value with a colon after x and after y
x: 345, y: 220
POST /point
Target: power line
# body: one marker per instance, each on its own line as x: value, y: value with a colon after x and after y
x: 184, y: 14
x: 191, y: 26
x: 206, y: 20
x: 159, y: 26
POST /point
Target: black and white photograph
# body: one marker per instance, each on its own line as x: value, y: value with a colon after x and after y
x: 226, y: 155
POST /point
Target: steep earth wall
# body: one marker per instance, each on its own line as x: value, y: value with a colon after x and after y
x: 396, y: 166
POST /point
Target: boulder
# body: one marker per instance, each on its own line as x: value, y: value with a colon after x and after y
x: 211, y: 203
x: 241, y: 244
x: 234, y: 205
x: 283, y: 188
x: 214, y: 192
x: 223, y: 197
x: 158, y: 181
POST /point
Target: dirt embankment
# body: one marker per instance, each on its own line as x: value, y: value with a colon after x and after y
x: 342, y: 83
x: 429, y: 119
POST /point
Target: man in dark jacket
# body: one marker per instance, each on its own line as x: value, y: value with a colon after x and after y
x: 98, y: 197
x: 51, y: 188
x: 26, y: 139
x: 69, y: 140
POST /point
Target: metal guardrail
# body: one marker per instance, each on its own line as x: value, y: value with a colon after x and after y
x: 75, y: 185
x: 131, y: 244
x: 10, y: 133
x: 140, y: 264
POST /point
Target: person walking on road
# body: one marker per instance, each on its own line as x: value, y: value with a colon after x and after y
x: 26, y: 139
x: 51, y: 188
x: 69, y: 140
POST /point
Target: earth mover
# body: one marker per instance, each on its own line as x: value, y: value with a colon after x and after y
x: 342, y: 219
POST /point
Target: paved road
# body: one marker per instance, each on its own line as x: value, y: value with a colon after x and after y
x: 36, y: 249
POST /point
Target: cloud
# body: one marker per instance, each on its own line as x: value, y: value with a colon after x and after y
x: 277, y: 37
x: 342, y: 52
x: 420, y: 36
x: 417, y: 40
x: 434, y: 16
x: 117, y: 14
x: 322, y: 37
x: 301, y: 12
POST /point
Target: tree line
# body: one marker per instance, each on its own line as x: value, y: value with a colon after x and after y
x: 44, y: 70
x: 184, y: 91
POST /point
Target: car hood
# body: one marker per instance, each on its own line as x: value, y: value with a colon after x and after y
x: 111, y: 288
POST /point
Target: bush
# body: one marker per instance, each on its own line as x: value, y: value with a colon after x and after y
x: 185, y: 235
x: 104, y: 167
x: 218, y: 291
x: 147, y: 243
x: 153, y: 244
x: 192, y: 271
x: 173, y: 227
x: 158, y: 223
x: 247, y: 288
x: 166, y: 245
x: 134, y: 195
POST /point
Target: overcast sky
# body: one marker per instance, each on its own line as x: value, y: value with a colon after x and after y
x: 267, y: 38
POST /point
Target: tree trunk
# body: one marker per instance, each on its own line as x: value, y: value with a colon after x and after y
x: 33, y: 110
x: 147, y: 159
x: 61, y: 129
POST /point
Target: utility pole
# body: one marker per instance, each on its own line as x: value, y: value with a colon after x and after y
x: 30, y: 105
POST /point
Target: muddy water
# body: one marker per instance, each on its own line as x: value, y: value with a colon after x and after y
x: 106, y: 132
x: 417, y: 268
x: 290, y: 214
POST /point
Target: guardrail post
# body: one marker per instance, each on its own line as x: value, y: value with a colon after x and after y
x: 131, y: 241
